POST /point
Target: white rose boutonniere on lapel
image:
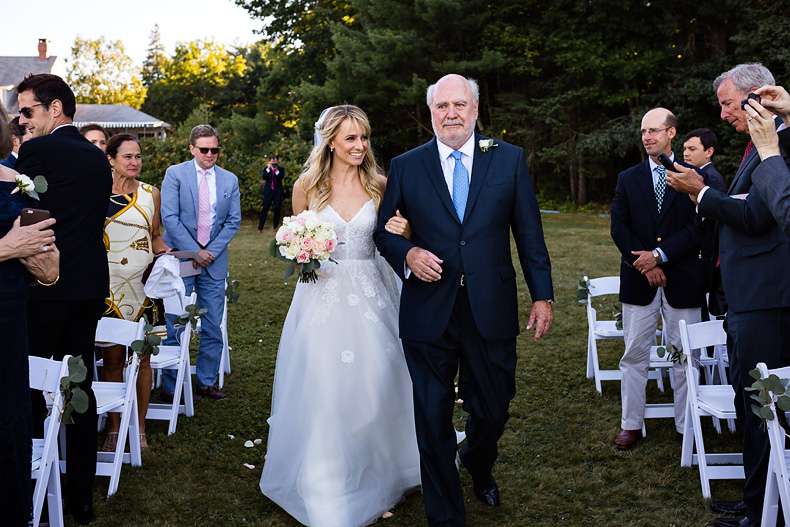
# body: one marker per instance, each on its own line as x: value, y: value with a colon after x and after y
x: 485, y: 144
x: 31, y: 187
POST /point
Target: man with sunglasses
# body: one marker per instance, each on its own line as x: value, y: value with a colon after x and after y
x: 62, y: 316
x: 661, y: 272
x: 201, y: 211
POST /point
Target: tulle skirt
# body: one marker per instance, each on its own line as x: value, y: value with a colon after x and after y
x: 342, y: 448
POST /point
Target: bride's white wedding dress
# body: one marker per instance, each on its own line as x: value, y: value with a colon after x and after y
x: 342, y: 448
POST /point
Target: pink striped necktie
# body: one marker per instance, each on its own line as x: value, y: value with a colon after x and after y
x: 204, y: 223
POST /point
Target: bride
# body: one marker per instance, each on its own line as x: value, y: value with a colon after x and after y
x: 342, y: 448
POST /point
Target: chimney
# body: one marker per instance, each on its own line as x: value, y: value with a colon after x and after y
x: 43, y: 54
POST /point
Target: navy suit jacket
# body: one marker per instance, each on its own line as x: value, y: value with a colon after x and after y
x: 500, y: 198
x: 772, y: 180
x: 754, y: 252
x: 79, y: 182
x: 638, y: 226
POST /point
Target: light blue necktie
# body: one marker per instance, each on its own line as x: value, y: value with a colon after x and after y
x: 661, y: 185
x: 460, y: 185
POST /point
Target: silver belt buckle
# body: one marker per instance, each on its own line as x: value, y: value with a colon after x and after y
x: 463, y: 280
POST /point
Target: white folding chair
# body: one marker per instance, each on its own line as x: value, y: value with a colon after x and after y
x: 706, y: 401
x: 777, y: 484
x: 606, y: 330
x: 224, y: 365
x: 45, y: 375
x: 175, y: 358
x: 120, y: 397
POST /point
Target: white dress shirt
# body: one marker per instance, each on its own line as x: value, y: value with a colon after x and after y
x: 212, y: 191
x: 654, y: 173
x: 448, y: 163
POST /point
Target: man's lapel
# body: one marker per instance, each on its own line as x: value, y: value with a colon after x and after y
x: 190, y: 179
x: 748, y: 166
x: 434, y: 168
x: 480, y: 165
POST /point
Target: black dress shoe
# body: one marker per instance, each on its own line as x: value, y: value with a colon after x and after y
x: 489, y: 495
x: 82, y: 514
x: 734, y: 522
x: 736, y: 508
x: 210, y: 392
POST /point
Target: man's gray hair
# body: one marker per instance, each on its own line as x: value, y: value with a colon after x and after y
x: 472, y: 86
x: 202, y: 130
x: 746, y: 76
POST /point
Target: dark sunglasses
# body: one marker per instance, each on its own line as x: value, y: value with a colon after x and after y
x: 27, y: 111
x: 204, y: 150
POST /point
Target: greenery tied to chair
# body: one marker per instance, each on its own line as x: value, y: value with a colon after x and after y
x: 149, y: 345
x: 75, y: 399
x: 231, y: 290
x: 583, y: 290
x: 673, y: 353
x: 192, y: 315
x: 764, y: 388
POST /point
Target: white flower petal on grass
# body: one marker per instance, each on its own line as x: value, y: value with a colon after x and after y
x: 249, y: 444
x: 258, y: 441
x: 251, y: 467
x: 231, y: 436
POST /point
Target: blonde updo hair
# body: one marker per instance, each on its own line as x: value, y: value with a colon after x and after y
x: 315, y: 179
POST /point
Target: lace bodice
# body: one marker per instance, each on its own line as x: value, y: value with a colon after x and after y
x: 356, y: 235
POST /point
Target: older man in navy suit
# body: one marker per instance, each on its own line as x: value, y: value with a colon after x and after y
x: 201, y: 211
x: 463, y: 194
x: 755, y: 257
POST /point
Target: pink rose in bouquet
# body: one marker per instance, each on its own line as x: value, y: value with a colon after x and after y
x: 304, y: 240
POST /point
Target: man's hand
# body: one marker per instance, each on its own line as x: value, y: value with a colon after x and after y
x: 645, y: 261
x: 685, y: 180
x: 44, y: 266
x: 540, y: 316
x: 656, y: 277
x: 204, y: 258
x: 776, y: 99
x: 762, y: 130
x: 424, y: 264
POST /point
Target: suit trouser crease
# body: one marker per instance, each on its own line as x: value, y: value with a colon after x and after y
x: 486, y: 383
x: 639, y: 326
x: 211, y: 295
x: 276, y: 197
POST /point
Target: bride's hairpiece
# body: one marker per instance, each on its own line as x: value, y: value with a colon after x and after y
x: 318, y: 125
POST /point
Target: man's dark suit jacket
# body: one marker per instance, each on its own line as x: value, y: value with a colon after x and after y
x: 9, y: 162
x: 772, y: 180
x: 269, y: 175
x: 80, y: 183
x: 754, y: 252
x: 638, y: 226
x: 501, y: 198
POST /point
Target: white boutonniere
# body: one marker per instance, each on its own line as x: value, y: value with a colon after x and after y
x: 31, y: 187
x: 485, y: 144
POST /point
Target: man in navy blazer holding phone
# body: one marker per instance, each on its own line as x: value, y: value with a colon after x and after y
x: 201, y: 211
x: 463, y: 194
x: 661, y: 269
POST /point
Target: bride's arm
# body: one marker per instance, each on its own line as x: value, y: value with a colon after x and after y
x: 299, y: 197
x: 396, y: 224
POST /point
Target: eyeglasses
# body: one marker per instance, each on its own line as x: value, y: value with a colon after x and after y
x: 652, y: 132
x: 204, y: 150
x: 27, y: 111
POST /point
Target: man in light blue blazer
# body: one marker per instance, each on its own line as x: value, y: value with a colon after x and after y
x: 201, y: 212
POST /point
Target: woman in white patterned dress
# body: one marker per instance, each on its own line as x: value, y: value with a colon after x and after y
x: 342, y: 448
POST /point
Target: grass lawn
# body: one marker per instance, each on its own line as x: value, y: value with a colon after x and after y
x: 557, y: 462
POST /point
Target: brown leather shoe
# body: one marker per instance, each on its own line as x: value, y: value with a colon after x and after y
x: 626, y: 439
x: 210, y: 392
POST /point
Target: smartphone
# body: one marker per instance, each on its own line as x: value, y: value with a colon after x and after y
x: 664, y: 160
x: 746, y: 100
x: 32, y: 216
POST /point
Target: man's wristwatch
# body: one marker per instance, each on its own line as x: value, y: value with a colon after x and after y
x: 657, y: 256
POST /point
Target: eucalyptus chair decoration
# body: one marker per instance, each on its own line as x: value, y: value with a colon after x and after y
x: 231, y: 297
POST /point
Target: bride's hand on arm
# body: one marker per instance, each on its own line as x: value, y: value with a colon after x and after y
x: 399, y: 225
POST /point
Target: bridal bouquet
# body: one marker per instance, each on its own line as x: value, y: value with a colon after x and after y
x: 304, y: 240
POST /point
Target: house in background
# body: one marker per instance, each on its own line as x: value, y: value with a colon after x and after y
x: 14, y: 69
x: 115, y: 118
x: 119, y: 118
